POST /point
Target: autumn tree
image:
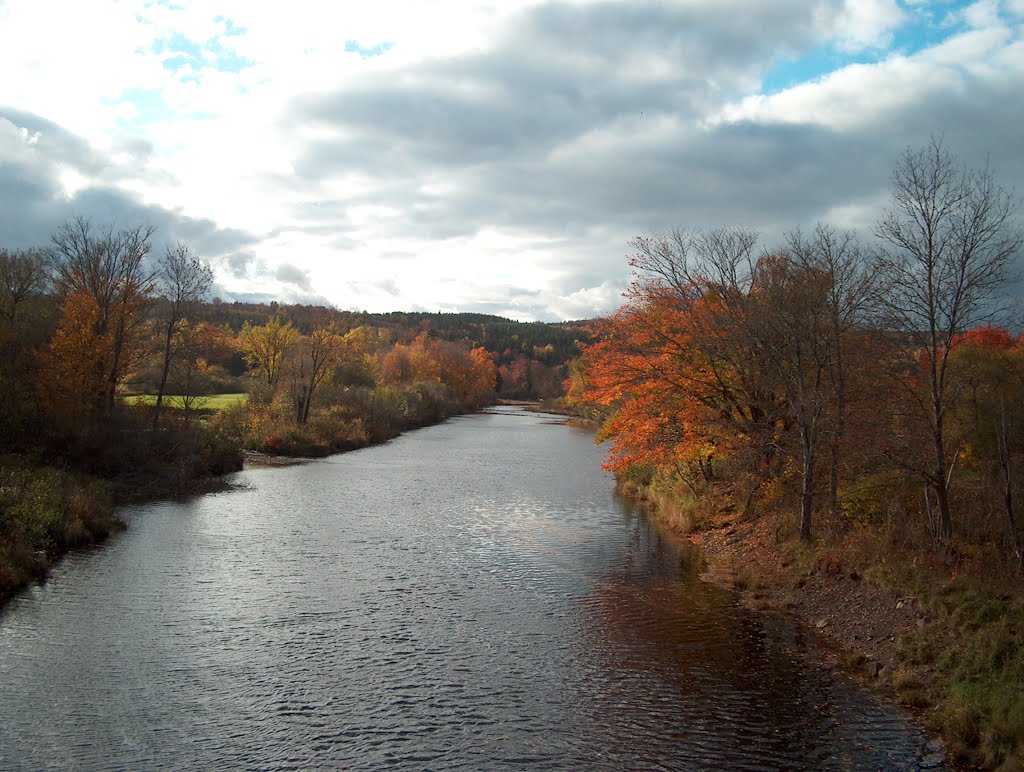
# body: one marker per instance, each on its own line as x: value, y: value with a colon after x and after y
x: 717, y: 343
x: 790, y: 323
x: 76, y: 362
x: 412, y: 363
x: 987, y: 365
x: 182, y: 281
x: 470, y: 375
x: 315, y: 356
x: 108, y: 266
x: 665, y: 412
x: 194, y: 343
x: 949, y: 241
x: 708, y: 277
x: 358, y: 364
x: 396, y: 365
x: 483, y: 375
x: 266, y: 348
x: 676, y: 365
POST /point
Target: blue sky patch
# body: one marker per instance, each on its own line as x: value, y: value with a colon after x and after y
x: 149, y: 106
x: 186, y: 53
x: 366, y: 52
x: 926, y: 25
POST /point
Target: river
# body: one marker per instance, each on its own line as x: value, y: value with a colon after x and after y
x: 468, y: 596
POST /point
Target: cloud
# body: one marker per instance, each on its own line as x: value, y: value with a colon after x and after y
x: 36, y: 157
x: 390, y: 286
x: 483, y: 155
x: 289, y: 274
x: 239, y: 264
x: 868, y: 24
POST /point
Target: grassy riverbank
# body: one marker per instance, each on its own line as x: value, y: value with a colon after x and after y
x: 940, y: 633
x: 43, y: 513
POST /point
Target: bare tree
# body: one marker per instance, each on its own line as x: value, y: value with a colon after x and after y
x: 850, y: 302
x: 23, y: 276
x: 182, y: 280
x: 790, y: 323
x: 108, y: 266
x: 23, y: 273
x: 950, y: 239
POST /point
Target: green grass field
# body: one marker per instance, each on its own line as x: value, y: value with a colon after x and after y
x: 210, y: 402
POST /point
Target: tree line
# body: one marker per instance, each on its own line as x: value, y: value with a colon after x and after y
x: 96, y: 313
x: 820, y: 367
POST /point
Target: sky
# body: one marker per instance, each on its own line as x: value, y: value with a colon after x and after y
x: 495, y: 157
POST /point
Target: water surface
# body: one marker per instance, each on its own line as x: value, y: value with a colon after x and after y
x: 468, y: 596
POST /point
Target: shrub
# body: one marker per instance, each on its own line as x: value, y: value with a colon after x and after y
x: 44, y: 511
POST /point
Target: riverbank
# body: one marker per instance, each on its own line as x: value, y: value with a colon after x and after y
x: 45, y: 511
x: 941, y: 637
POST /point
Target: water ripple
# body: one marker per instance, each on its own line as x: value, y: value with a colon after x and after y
x: 472, y: 596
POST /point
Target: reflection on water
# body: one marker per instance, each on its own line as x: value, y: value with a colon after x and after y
x: 469, y: 596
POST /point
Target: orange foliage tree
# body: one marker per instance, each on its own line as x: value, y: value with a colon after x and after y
x: 76, y: 363
x: 107, y: 266
x: 718, y: 351
x: 680, y: 397
x: 469, y: 375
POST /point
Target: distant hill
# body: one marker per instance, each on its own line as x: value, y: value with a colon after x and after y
x: 550, y: 343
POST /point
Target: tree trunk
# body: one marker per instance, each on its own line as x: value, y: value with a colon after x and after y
x: 942, y: 498
x: 940, y: 480
x: 807, y: 494
x: 1004, y: 462
x: 833, y: 479
x: 308, y: 401
x: 163, y: 376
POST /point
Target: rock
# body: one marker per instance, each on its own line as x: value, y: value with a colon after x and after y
x: 873, y: 668
x: 822, y: 624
